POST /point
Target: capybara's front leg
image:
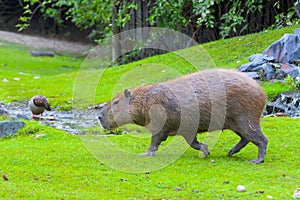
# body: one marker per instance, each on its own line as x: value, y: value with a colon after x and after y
x: 198, y: 145
x: 155, y: 142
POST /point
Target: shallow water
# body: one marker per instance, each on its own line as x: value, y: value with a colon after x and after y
x: 75, y: 121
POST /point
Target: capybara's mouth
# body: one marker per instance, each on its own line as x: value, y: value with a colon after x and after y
x: 103, y: 125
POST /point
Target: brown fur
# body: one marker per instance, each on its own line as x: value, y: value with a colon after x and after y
x: 210, y: 100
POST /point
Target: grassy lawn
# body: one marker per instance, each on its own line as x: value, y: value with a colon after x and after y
x: 58, y: 165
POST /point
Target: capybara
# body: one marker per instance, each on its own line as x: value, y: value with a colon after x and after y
x: 208, y: 100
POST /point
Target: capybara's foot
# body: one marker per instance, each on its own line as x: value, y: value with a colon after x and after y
x: 148, y: 153
x: 204, y: 149
x: 257, y: 161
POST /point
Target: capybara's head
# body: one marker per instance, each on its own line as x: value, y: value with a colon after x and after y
x: 116, y: 112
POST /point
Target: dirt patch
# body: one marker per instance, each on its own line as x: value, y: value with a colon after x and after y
x: 36, y: 42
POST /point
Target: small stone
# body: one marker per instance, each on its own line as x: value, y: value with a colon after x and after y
x: 241, y: 188
x: 5, y: 80
x: 59, y: 127
x: 47, y: 118
x: 195, y: 191
x: 269, y: 197
x: 16, y: 79
x: 212, y: 161
x: 21, y: 116
x: 296, y: 194
x: 36, y: 77
x: 260, y: 191
x: 39, y: 136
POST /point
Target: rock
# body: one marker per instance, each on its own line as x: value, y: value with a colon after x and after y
x: 21, y: 116
x: 16, y: 79
x: 296, y: 194
x: 286, y: 104
x: 3, y: 111
x: 269, y: 71
x: 289, y: 69
x: 269, y: 197
x: 241, y: 188
x: 256, y: 57
x: 268, y: 58
x: 40, y: 53
x: 253, y: 75
x: 8, y: 128
x: 251, y: 66
x: 286, y: 49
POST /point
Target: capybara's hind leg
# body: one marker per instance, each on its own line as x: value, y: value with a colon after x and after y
x: 241, y: 144
x: 251, y: 132
x: 261, y: 141
x: 198, y: 145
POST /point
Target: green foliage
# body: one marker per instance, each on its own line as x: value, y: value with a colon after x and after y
x: 168, y: 14
x: 293, y: 83
x: 287, y: 18
x: 228, y: 18
x: 273, y: 89
x: 229, y: 21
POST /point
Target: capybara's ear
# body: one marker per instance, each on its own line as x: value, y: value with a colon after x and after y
x: 127, y: 94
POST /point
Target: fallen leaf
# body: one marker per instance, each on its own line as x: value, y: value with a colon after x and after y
x: 177, y: 188
x: 123, y: 179
x: 5, y: 177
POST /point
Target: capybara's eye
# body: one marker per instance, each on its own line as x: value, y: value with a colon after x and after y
x: 116, y: 102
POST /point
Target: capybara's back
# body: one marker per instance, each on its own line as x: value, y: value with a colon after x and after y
x: 209, y: 100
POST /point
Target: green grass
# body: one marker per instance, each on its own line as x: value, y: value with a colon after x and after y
x: 58, y: 165
x: 55, y: 77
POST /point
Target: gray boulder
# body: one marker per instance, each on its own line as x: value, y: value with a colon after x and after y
x: 289, y: 69
x: 3, y: 112
x: 9, y: 128
x: 286, y: 49
x: 256, y: 62
x: 287, y: 102
x: 269, y: 71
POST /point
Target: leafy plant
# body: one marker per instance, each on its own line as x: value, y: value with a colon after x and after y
x: 293, y: 83
x: 227, y: 18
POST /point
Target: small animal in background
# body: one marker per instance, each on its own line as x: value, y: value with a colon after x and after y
x: 38, y: 104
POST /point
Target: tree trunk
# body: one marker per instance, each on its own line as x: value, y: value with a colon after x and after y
x: 116, y: 47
